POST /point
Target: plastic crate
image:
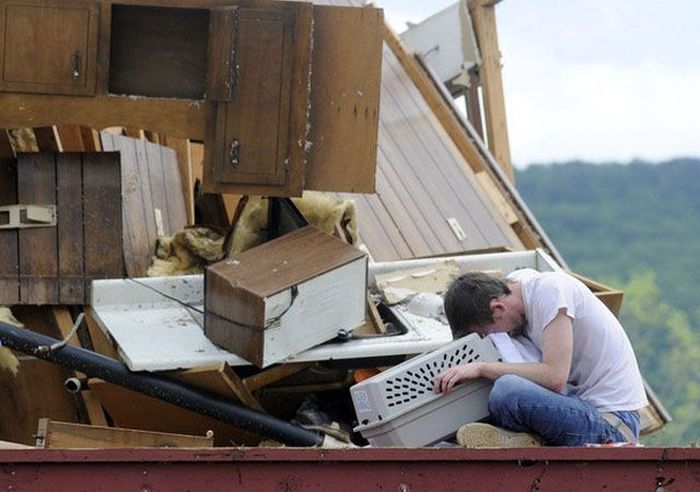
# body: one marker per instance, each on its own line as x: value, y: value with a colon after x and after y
x: 398, y: 407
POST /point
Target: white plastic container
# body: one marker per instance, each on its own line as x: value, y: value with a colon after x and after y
x: 400, y: 408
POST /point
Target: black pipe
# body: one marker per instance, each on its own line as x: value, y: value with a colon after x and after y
x: 191, y: 398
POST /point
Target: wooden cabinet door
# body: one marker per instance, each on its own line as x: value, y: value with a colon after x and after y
x: 257, y: 140
x: 48, y: 46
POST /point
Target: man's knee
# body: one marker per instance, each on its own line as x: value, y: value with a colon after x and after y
x: 506, y: 392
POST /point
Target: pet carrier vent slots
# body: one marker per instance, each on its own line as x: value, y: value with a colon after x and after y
x: 399, y: 407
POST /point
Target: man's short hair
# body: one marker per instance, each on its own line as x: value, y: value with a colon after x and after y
x: 468, y: 301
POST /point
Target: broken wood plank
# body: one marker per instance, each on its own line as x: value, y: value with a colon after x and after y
x: 134, y: 410
x: 102, y: 223
x: 70, y: 138
x: 69, y: 193
x: 221, y: 380
x: 64, y: 322
x: 274, y: 373
x: 176, y: 210
x: 183, y: 153
x: 137, y: 244
x: 66, y: 435
x: 9, y: 239
x: 47, y: 139
x: 100, y: 342
x: 38, y: 260
x: 37, y: 390
x: 483, y: 15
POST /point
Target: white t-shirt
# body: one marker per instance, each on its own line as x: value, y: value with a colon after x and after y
x: 604, y: 370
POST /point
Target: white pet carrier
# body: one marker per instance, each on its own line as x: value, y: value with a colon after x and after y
x: 398, y: 407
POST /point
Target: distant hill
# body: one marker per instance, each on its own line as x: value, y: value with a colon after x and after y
x: 637, y: 227
x: 612, y: 220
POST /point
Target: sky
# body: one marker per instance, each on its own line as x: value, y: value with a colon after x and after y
x: 596, y: 80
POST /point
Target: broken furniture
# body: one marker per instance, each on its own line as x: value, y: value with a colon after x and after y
x: 166, y: 389
x: 64, y: 435
x: 237, y: 74
x: 52, y: 257
x: 285, y: 296
x: 399, y: 407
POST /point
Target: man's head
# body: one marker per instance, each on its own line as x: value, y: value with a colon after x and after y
x: 478, y: 302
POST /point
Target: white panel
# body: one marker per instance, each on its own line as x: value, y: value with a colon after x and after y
x: 447, y: 42
x: 155, y: 332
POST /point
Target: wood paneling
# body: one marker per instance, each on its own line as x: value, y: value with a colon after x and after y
x: 151, y: 180
x: 38, y: 247
x: 9, y: 247
x: 69, y: 186
x: 345, y: 99
x: 55, y: 264
x: 102, y: 226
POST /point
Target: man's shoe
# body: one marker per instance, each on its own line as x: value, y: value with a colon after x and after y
x: 479, y: 435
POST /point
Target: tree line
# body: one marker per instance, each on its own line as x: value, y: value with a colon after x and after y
x: 636, y: 226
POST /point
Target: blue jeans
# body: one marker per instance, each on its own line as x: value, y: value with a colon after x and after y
x: 520, y: 405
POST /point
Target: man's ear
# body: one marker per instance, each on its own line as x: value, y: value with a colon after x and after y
x: 497, y: 307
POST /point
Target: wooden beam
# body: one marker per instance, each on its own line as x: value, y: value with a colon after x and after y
x: 64, y: 323
x: 183, y: 151
x: 65, y: 435
x: 274, y: 373
x: 221, y: 380
x: 179, y: 118
x: 71, y: 138
x: 483, y: 14
x: 100, y: 343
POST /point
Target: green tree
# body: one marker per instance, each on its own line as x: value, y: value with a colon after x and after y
x: 669, y: 356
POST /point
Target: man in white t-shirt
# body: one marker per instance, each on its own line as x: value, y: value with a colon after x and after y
x: 586, y: 386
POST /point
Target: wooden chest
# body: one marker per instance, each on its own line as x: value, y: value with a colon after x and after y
x: 60, y: 226
x: 285, y: 296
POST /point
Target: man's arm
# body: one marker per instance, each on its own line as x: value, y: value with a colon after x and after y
x: 552, y: 372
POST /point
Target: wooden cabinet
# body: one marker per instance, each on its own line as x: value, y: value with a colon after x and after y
x: 48, y: 46
x: 239, y: 75
x: 257, y: 144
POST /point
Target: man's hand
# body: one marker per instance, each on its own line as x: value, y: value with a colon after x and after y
x: 454, y: 375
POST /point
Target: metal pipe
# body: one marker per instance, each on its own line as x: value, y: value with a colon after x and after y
x: 191, y: 398
x: 75, y: 385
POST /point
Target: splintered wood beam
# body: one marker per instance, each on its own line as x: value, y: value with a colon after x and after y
x: 221, y: 380
x: 483, y: 14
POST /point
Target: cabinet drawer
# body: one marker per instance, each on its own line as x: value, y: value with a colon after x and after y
x: 48, y: 47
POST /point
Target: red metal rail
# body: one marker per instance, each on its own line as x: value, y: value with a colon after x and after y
x: 261, y: 469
